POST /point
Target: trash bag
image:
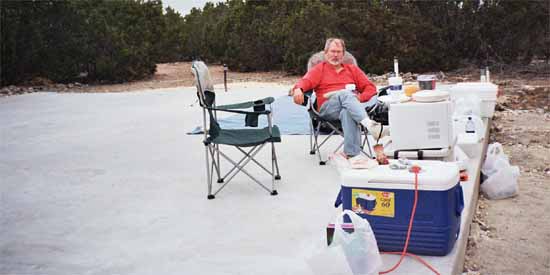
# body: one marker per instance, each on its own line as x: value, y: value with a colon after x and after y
x: 494, y: 152
x: 328, y: 260
x: 359, y: 246
x: 502, y: 178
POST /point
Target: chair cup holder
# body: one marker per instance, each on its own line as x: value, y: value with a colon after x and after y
x: 251, y: 120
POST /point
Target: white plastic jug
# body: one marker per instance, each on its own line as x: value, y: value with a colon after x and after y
x: 469, y: 129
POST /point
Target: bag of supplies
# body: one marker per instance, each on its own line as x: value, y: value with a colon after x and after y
x: 359, y: 245
x: 502, y: 178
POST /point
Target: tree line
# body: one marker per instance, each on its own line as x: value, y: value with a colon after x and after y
x: 123, y: 40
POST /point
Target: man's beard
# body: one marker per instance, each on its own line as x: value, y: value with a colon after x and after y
x: 334, y: 62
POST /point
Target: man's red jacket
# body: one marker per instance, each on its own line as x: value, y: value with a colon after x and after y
x: 323, y: 78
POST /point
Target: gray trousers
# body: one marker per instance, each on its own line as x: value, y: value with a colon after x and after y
x: 346, y: 107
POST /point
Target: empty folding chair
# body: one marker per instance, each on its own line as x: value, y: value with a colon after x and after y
x: 248, y: 141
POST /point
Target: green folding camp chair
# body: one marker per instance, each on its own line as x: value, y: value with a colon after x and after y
x: 248, y: 141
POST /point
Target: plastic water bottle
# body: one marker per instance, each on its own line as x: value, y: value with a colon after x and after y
x: 396, y: 87
x: 470, y: 126
x: 395, y: 66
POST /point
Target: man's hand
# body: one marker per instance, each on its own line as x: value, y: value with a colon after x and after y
x: 298, y: 96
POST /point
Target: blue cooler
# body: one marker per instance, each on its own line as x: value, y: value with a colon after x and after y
x: 385, y: 198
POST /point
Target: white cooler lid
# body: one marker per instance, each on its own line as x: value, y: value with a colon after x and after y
x: 434, y: 176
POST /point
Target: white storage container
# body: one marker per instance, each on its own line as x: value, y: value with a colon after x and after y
x: 485, y: 91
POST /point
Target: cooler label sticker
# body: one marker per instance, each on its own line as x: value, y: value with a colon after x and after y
x: 374, y: 203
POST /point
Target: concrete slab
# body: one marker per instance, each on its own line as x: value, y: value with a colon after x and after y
x: 111, y: 184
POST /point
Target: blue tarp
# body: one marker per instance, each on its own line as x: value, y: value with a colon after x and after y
x: 292, y: 119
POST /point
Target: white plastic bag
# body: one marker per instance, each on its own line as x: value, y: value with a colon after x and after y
x: 329, y: 260
x: 467, y: 106
x: 494, y: 153
x: 502, y: 178
x: 359, y: 246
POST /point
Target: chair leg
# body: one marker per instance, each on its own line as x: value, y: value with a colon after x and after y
x: 317, y: 146
x: 274, y: 158
x: 273, y: 162
x: 311, y: 134
x: 367, y: 143
x: 208, y: 174
x: 240, y: 168
x: 215, y: 162
x: 218, y: 164
x: 213, y: 152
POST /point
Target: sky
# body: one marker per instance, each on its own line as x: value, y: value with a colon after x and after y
x: 185, y: 6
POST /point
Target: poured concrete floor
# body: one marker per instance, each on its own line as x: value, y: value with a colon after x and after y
x: 111, y: 184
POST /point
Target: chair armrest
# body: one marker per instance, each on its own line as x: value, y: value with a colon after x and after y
x: 264, y: 112
x: 383, y: 91
x: 307, y: 97
x: 248, y: 104
x: 251, y: 119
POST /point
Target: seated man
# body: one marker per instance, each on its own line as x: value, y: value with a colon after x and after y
x: 332, y: 75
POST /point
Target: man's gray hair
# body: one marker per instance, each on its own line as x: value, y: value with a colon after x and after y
x: 337, y: 41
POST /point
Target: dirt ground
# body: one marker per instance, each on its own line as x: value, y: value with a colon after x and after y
x: 509, y: 236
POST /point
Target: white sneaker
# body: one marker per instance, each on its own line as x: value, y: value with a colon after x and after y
x: 375, y: 128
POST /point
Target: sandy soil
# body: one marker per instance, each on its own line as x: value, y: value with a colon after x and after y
x: 179, y: 74
x: 510, y: 236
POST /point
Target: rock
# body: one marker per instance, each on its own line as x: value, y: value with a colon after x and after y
x: 474, y: 233
x: 525, y: 141
x: 528, y: 88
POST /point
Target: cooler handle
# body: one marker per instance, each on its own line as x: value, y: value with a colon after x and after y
x: 419, y: 154
x: 459, y: 200
x: 338, y: 200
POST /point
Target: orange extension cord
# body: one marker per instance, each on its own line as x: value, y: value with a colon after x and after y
x: 415, y: 170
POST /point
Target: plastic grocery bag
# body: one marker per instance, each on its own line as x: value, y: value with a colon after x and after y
x: 359, y: 246
x: 494, y: 153
x: 502, y: 178
x: 467, y: 106
x: 328, y: 260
